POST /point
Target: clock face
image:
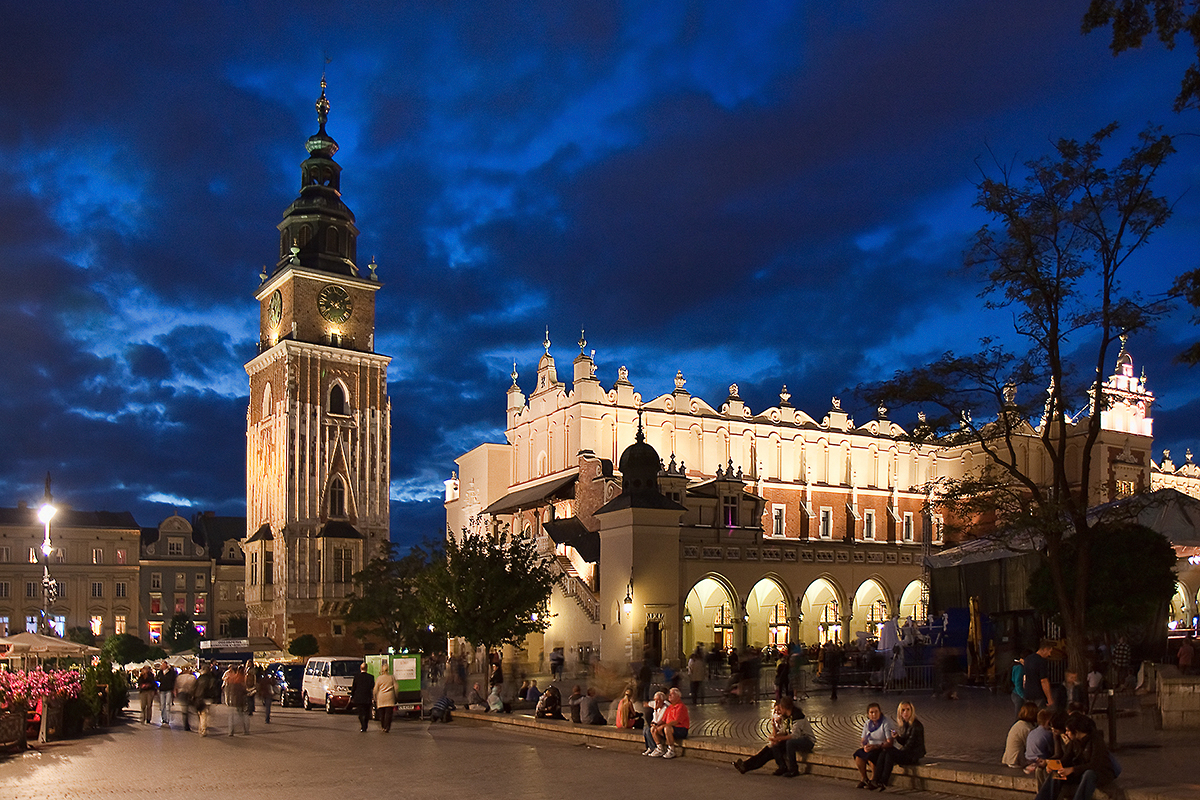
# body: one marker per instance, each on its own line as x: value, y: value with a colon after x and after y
x: 275, y: 308
x: 334, y: 304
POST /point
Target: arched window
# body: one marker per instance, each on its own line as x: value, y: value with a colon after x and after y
x: 337, y: 498
x: 337, y: 399
x: 332, y: 241
x: 304, y: 235
x: 266, y: 401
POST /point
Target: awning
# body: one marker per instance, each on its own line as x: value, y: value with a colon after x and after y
x: 531, y: 496
x: 570, y: 531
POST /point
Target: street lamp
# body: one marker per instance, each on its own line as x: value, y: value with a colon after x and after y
x: 49, y: 589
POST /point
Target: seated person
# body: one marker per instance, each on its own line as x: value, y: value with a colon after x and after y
x: 1018, y: 736
x: 494, y: 703
x: 674, y: 726
x: 474, y: 698
x: 655, y: 710
x: 907, y: 746
x: 1085, y: 763
x: 573, y: 702
x: 779, y: 731
x: 626, y: 716
x: 533, y: 693
x: 1041, y: 742
x: 549, y: 705
x: 802, y: 741
x: 589, y: 708
x: 876, y: 734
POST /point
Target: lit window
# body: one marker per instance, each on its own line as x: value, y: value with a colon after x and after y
x: 59, y: 625
x: 97, y: 624
x: 222, y: 591
x: 155, y: 629
x: 826, y: 531
x: 908, y: 526
x: 3, y: 626
x: 60, y: 555
x: 1124, y: 488
x: 119, y: 624
x: 97, y: 589
x: 97, y: 555
x: 33, y: 555
x: 31, y: 624
x: 181, y: 605
x: 156, y: 604
x: 938, y: 525
x: 868, y: 526
x: 201, y: 607
x: 121, y: 556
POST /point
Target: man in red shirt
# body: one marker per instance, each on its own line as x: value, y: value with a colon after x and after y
x: 673, y: 727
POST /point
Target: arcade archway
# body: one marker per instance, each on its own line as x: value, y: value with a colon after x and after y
x: 911, y: 603
x: 821, y: 612
x: 768, y: 611
x: 708, y: 616
x: 871, y: 608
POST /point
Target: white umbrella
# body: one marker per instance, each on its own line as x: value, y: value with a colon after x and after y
x: 38, y: 644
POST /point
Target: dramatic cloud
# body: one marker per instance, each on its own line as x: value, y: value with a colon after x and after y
x: 763, y: 194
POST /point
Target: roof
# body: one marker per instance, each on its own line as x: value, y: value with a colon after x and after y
x: 571, y: 532
x: 533, y: 495
x: 338, y: 529
x: 263, y: 534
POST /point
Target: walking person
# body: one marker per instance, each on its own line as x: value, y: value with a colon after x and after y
x: 235, y: 698
x: 362, y: 692
x: 831, y: 666
x: 206, y: 683
x: 385, y: 696
x: 147, y: 688
x: 166, y: 693
x: 697, y: 669
x: 251, y: 686
x: 264, y: 690
x: 185, y: 686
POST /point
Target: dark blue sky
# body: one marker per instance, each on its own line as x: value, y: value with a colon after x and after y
x: 761, y: 193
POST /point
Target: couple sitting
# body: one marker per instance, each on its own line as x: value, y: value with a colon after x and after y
x: 790, y: 733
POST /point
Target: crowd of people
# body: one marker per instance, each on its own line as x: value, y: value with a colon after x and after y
x: 239, y: 687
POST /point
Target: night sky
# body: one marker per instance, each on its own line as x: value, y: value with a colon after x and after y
x: 761, y: 193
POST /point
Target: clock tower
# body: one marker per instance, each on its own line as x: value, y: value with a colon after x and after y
x: 317, y: 426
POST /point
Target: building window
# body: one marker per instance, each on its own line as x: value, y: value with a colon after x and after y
x: 337, y: 399
x: 181, y: 605
x: 3, y: 626
x: 869, y: 526
x: 33, y: 555
x: 5, y: 590
x: 908, y: 526
x: 121, y: 590
x: 777, y: 627
x: 119, y: 624
x: 174, y: 547
x: 777, y: 519
x: 1124, y: 488
x: 97, y: 555
x: 938, y: 525
x: 223, y: 626
x: 342, y: 564
x: 268, y: 568
x: 31, y: 590
x: 31, y: 623
x: 121, y: 555
x: 97, y: 589
x: 5, y: 555
x: 254, y: 569
x: 222, y: 591
x: 826, y: 531
x: 58, y: 623
x: 337, y: 629
x: 97, y: 625
x: 337, y: 498
x: 155, y: 630
x: 180, y: 581
x: 200, y: 581
x: 155, y: 580
x: 156, y: 604
x: 60, y: 555
x: 201, y: 607
x: 729, y: 511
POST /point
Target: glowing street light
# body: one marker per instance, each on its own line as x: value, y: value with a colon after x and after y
x: 49, y: 589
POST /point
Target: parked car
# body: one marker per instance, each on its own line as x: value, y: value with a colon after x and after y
x: 327, y: 681
x: 289, y: 683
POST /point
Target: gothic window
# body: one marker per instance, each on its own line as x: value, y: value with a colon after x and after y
x: 337, y: 399
x: 337, y: 498
x: 729, y: 511
x: 266, y: 400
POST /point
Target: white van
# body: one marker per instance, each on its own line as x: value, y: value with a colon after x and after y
x: 327, y: 682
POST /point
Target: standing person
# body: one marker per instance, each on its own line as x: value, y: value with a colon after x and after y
x: 831, y: 666
x: 1186, y: 655
x: 697, y: 669
x: 644, y: 675
x: 556, y: 664
x: 496, y: 678
x: 907, y: 745
x: 783, y: 677
x: 251, y: 686
x: 1037, y: 675
x: 206, y: 684
x: 166, y: 693
x: 877, y: 733
x: 654, y: 712
x: 1120, y: 659
x: 147, y: 688
x: 235, y: 698
x: 1018, y: 682
x: 673, y: 728
x: 264, y: 690
x: 385, y: 696
x: 362, y: 692
x: 185, y: 687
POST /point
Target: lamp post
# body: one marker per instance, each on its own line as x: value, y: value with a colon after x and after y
x: 49, y: 589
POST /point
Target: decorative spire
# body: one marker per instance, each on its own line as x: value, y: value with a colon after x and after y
x: 373, y: 267
x: 582, y: 340
x: 679, y: 380
x: 546, y: 343
x: 784, y: 397
x: 322, y: 104
x: 514, y: 373
x: 641, y: 435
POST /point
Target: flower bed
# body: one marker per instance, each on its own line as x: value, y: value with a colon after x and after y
x: 26, y: 696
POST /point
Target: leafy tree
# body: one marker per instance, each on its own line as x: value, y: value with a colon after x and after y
x: 181, y: 633
x: 489, y: 591
x: 81, y: 634
x: 1131, y: 21
x: 1063, y: 235
x: 124, y: 648
x: 1130, y: 582
x: 304, y: 646
x: 386, y: 606
x: 155, y: 653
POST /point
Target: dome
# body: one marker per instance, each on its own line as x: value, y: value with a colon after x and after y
x: 639, y: 466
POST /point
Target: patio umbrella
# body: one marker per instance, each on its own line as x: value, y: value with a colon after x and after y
x: 37, y: 644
